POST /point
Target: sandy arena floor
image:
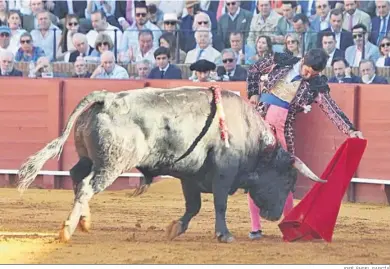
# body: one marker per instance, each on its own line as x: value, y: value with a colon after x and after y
x: 131, y: 230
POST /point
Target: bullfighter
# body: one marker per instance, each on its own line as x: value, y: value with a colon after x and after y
x: 282, y: 85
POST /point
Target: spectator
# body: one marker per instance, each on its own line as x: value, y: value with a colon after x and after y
x: 381, y: 23
x: 354, y: 54
x: 14, y: 22
x: 292, y: 45
x: 130, y: 36
x: 7, y: 65
x: 80, y: 68
x: 19, y: 5
x: 108, y: 69
x: 164, y: 70
x: 263, y: 23
x: 103, y: 43
x: 329, y: 45
x: 5, y: 37
x: 80, y: 42
x: 307, y: 36
x: 27, y: 51
x: 321, y: 19
x: 100, y: 25
x: 3, y: 12
x: 202, y: 71
x: 142, y: 51
x: 154, y: 13
x: 204, y: 49
x: 230, y: 71
x: 106, y: 9
x: 43, y: 68
x: 243, y: 52
x: 47, y: 35
x: 74, y: 8
x: 354, y: 16
x: 285, y: 23
x: 195, y: 18
x: 235, y: 20
x: 342, y: 72
x: 72, y: 26
x: 143, y: 68
x: 384, y: 50
x: 168, y: 40
x: 343, y: 37
x: 170, y: 23
x: 368, y: 73
x: 263, y: 48
x: 30, y: 22
x: 172, y: 6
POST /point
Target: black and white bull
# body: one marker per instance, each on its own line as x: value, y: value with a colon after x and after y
x: 173, y: 132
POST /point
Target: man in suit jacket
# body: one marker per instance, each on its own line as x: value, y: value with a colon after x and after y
x: 61, y: 8
x: 329, y: 45
x: 164, y: 70
x: 7, y: 65
x: 285, y: 23
x: 230, y: 71
x: 30, y: 22
x: 235, y: 20
x: 354, y: 54
x: 342, y: 72
x: 344, y: 38
x: 353, y: 16
x: 321, y: 19
x: 307, y: 35
x: 380, y: 24
x: 80, y: 42
x: 368, y: 73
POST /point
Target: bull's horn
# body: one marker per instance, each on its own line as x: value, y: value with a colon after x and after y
x: 301, y: 167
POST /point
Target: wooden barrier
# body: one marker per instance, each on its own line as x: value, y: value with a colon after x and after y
x: 34, y: 111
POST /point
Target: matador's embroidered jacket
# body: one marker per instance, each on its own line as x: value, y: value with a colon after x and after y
x: 277, y: 67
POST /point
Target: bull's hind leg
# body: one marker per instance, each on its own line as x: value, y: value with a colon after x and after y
x: 192, y: 196
x: 97, y: 181
x: 78, y: 172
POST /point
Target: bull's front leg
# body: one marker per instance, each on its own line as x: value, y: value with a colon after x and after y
x: 193, y: 202
x: 221, y: 193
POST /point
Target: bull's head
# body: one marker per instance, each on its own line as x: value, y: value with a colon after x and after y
x: 273, y: 179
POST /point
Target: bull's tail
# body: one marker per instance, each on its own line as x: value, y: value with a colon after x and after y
x: 30, y: 168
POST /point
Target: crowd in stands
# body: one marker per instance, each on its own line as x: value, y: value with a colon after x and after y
x: 215, y: 38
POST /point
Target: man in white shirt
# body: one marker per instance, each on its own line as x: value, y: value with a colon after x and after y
x: 100, y: 24
x: 108, y: 69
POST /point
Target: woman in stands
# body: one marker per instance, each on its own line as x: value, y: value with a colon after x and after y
x: 263, y: 48
x: 292, y: 45
x: 72, y: 26
x: 168, y: 40
x: 103, y: 43
x: 384, y: 49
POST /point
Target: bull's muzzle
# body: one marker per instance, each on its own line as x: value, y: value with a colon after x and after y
x: 304, y: 170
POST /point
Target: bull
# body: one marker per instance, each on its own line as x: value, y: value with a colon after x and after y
x: 173, y: 132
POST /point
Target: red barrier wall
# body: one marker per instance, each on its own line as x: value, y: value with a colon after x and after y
x: 34, y: 111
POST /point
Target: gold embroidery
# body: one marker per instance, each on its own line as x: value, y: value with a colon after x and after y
x: 286, y: 91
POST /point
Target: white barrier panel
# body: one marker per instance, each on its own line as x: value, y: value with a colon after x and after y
x: 66, y: 173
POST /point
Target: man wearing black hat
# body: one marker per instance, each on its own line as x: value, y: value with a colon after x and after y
x: 202, y: 70
x: 164, y: 69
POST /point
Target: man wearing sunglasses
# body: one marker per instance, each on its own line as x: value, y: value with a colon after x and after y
x: 363, y: 49
x: 230, y: 71
x: 5, y: 38
x: 280, y: 86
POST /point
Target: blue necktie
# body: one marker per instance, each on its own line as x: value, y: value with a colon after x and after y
x: 387, y: 61
x: 200, y: 54
x: 382, y: 32
x: 296, y: 78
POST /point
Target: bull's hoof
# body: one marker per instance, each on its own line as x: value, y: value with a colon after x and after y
x: 174, y: 229
x: 225, y: 238
x: 64, y: 235
x: 84, y: 224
